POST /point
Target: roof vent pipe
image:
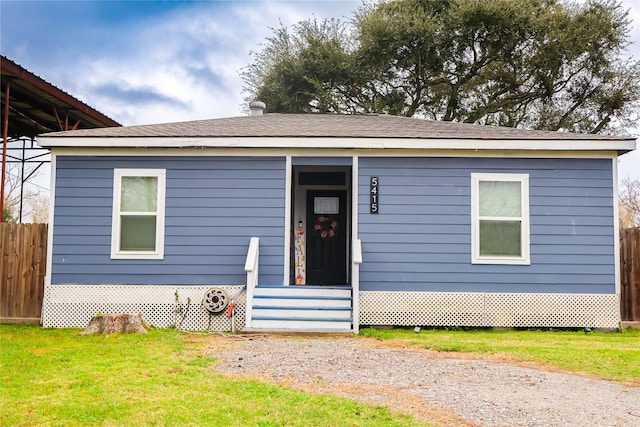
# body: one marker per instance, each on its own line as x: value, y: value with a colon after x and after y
x: 257, y: 107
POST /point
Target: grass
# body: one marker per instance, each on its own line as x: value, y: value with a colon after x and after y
x: 56, y: 377
x: 614, y: 356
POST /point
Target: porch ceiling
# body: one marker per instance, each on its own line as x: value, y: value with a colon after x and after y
x: 36, y: 106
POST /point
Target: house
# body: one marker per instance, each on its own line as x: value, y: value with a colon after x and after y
x: 333, y: 222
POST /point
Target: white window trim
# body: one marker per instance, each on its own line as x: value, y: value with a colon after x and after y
x: 118, y: 174
x: 525, y: 258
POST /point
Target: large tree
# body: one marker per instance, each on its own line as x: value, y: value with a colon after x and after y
x: 540, y: 64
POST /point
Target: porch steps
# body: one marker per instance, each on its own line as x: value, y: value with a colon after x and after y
x: 302, y: 308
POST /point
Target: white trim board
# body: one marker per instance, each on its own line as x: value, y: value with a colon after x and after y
x: 476, y: 218
x: 616, y: 226
x: 287, y: 220
x: 52, y: 202
x: 621, y: 146
x: 305, y: 152
x: 159, y: 214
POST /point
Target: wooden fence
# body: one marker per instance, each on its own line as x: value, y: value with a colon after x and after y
x: 630, y: 274
x: 23, y: 248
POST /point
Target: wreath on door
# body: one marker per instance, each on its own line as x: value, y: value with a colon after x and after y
x: 325, y: 227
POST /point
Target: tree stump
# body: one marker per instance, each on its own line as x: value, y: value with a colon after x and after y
x: 107, y: 324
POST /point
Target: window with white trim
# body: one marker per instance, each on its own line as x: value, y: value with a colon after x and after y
x: 138, y: 214
x: 500, y: 218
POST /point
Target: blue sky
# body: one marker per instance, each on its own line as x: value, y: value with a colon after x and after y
x: 145, y: 62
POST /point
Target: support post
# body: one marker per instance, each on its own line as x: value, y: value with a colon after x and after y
x: 22, y: 182
x: 5, y: 137
x: 357, y: 260
x: 251, y: 266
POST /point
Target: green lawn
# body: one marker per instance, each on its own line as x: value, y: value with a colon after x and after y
x: 613, y: 355
x: 60, y: 378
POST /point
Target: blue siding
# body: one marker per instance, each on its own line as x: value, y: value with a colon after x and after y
x: 214, y: 205
x: 421, y: 238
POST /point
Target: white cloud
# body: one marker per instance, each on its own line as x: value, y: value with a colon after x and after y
x: 186, y: 66
x: 629, y: 164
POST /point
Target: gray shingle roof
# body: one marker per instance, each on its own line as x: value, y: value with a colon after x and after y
x: 325, y: 125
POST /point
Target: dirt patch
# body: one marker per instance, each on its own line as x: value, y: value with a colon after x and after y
x: 440, y: 388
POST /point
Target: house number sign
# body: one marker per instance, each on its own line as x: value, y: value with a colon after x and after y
x: 374, y: 196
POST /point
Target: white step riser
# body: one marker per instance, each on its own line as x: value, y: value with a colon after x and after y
x: 292, y: 302
x: 303, y: 292
x: 313, y: 314
x: 300, y: 325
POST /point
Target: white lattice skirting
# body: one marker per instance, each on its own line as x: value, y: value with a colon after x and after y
x: 489, y: 309
x: 73, y: 306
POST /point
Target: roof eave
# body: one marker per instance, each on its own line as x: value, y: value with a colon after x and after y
x: 620, y: 146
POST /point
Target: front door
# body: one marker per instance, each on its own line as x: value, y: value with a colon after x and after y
x: 327, y: 230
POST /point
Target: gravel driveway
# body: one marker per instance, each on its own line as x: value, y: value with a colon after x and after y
x: 439, y: 388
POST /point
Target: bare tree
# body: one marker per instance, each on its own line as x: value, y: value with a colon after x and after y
x: 34, y: 204
x: 629, y: 203
x: 11, y: 194
x: 39, y: 207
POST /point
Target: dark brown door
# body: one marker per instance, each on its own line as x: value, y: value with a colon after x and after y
x: 327, y: 237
